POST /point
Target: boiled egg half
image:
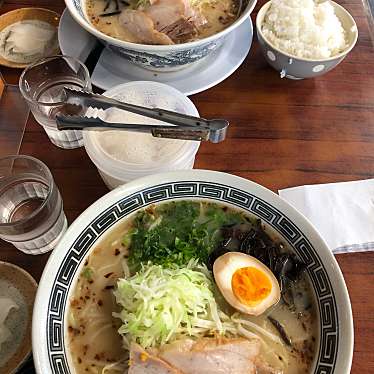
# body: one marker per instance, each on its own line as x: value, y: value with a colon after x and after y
x: 246, y: 283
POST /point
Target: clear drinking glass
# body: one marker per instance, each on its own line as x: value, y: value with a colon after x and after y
x: 31, y: 210
x: 12, y: 121
x: 42, y: 83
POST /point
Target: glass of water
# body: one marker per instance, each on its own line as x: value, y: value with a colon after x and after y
x: 42, y: 83
x: 31, y: 210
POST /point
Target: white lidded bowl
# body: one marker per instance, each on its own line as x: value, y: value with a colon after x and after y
x: 159, y: 57
x: 334, y: 337
x: 115, y: 172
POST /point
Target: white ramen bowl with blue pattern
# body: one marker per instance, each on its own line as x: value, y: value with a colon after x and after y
x: 335, y: 327
x: 159, y: 57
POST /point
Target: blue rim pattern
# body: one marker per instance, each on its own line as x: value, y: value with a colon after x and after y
x: 78, y: 6
x: 329, y: 327
x: 170, y: 59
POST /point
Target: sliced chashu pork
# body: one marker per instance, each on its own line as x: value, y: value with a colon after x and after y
x: 143, y: 362
x: 176, y: 18
x: 204, y: 356
x: 163, y: 22
x: 165, y: 12
x: 142, y: 27
x: 193, y: 15
x: 215, y: 356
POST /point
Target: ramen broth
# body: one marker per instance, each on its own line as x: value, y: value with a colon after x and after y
x: 92, y: 304
x: 218, y: 15
x: 92, y: 330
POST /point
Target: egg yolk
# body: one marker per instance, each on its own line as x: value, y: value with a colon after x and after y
x: 250, y: 285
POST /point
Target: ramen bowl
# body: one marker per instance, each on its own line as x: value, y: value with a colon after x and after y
x: 334, y: 338
x: 159, y: 57
x: 294, y: 67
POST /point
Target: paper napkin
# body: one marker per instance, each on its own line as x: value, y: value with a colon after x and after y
x: 343, y: 213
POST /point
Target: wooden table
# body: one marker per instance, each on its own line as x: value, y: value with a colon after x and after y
x: 284, y: 133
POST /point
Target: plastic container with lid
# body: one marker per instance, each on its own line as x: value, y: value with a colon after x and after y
x: 123, y: 156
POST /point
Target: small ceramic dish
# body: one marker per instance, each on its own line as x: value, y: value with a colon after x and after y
x: 22, y: 14
x: 19, y: 286
x: 293, y: 67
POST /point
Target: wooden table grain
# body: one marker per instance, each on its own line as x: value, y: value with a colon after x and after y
x: 283, y: 133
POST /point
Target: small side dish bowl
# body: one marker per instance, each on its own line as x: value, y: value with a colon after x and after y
x: 23, y: 14
x: 20, y: 287
x: 334, y: 335
x: 159, y: 57
x: 294, y: 67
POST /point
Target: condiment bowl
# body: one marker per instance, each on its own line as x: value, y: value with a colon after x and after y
x: 334, y: 337
x: 159, y: 57
x: 294, y: 67
x: 19, y: 286
x: 22, y: 14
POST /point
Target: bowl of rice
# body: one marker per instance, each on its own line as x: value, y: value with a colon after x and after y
x: 305, y: 38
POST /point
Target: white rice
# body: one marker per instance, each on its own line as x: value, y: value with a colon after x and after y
x: 304, y: 28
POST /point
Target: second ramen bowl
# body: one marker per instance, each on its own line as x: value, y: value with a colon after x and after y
x: 159, y: 57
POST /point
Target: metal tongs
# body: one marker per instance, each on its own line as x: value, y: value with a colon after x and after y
x: 185, y: 126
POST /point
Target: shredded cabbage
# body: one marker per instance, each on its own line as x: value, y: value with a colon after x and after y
x: 140, y: 3
x: 160, y: 305
x: 198, y: 4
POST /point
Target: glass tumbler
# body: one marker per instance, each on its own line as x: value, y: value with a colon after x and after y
x: 42, y: 83
x: 31, y: 209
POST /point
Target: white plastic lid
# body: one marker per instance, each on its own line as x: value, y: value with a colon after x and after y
x: 149, y: 94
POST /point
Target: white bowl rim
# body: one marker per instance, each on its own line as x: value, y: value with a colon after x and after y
x: 266, y: 6
x: 338, y: 286
x: 157, y: 48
